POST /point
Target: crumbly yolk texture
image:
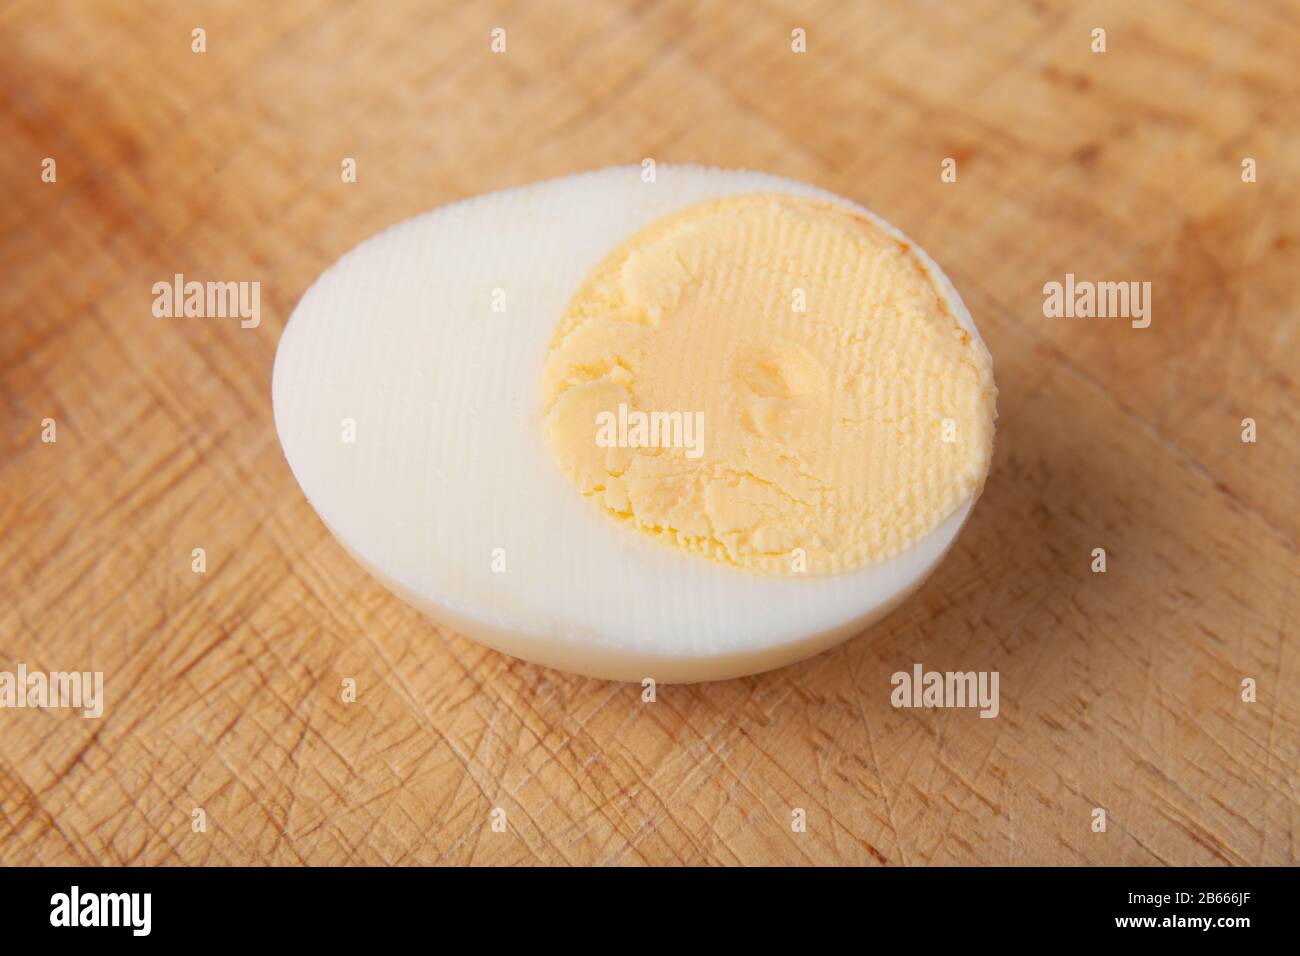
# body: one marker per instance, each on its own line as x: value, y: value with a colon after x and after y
x: 845, y: 411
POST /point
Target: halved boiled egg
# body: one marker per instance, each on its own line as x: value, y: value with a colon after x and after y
x: 683, y: 427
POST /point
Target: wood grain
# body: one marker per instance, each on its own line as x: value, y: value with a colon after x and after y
x: 1119, y: 690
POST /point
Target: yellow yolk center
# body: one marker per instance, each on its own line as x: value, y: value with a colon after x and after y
x: 772, y: 382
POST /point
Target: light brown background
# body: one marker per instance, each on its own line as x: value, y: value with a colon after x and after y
x: 1118, y: 690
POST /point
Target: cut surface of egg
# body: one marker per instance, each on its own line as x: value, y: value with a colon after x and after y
x: 683, y: 429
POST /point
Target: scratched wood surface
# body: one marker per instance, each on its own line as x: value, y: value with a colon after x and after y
x: 1119, y: 691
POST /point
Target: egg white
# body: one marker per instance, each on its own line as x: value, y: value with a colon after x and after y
x: 449, y: 470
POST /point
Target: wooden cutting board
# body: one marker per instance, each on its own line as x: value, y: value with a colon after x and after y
x: 1120, y: 691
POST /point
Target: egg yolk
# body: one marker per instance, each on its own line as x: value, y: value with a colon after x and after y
x: 772, y: 382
